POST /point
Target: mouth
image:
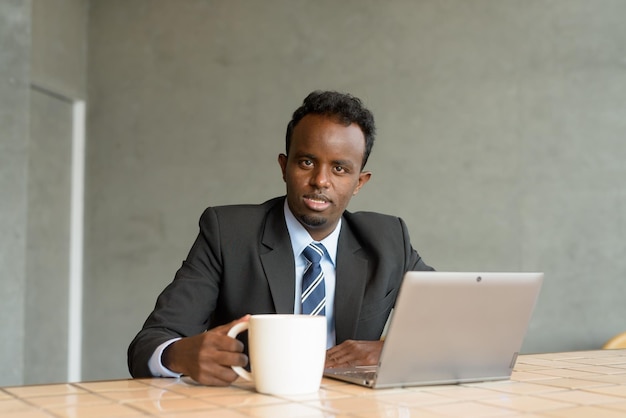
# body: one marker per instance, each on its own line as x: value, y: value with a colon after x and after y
x: 316, y: 203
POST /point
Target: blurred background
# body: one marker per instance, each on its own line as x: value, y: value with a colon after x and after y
x: 501, y: 143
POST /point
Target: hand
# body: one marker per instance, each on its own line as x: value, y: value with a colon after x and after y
x: 207, y: 358
x: 354, y: 353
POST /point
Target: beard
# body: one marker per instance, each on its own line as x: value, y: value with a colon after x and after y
x: 313, y: 221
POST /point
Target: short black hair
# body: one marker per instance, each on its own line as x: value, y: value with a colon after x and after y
x: 345, y: 107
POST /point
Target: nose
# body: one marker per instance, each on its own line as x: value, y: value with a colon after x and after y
x: 320, y: 178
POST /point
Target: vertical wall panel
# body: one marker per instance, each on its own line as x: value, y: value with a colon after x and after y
x: 48, y: 239
x: 14, y: 97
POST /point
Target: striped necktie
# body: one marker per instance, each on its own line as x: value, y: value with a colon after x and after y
x: 313, y: 288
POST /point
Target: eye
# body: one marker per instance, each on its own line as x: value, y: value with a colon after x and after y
x: 340, y: 169
x: 306, y: 163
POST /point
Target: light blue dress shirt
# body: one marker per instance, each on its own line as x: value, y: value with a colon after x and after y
x: 300, y: 239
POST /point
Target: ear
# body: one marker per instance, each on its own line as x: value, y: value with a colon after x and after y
x: 364, y: 177
x: 282, y: 161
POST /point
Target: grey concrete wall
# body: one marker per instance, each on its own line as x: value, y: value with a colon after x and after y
x: 48, y: 240
x: 501, y: 140
x: 14, y: 78
x: 58, y: 77
x: 43, y: 69
x: 59, y: 50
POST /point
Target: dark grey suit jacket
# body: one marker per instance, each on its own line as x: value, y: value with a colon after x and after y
x: 242, y: 262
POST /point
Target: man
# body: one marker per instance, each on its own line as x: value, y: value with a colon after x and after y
x: 250, y: 259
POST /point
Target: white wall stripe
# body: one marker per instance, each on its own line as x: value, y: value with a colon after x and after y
x: 75, y: 314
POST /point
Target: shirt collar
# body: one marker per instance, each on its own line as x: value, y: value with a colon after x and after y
x: 300, y: 237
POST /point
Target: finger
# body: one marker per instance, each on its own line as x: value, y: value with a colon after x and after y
x: 338, y: 349
x: 232, y: 359
x: 220, y: 342
x: 223, y: 329
x: 216, y: 375
x: 215, y: 367
x: 343, y: 349
x: 354, y: 353
x: 345, y: 361
x: 337, y: 359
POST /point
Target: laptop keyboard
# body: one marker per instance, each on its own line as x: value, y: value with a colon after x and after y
x: 361, y: 374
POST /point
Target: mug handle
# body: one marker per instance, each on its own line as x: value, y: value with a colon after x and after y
x: 233, y: 332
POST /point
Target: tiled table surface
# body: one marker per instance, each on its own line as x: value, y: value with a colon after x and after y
x: 575, y: 384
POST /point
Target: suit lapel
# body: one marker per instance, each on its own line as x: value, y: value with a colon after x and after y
x: 352, y: 275
x: 277, y: 260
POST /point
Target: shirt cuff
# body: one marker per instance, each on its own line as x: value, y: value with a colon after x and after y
x: 156, y: 365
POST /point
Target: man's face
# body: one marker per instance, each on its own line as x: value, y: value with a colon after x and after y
x: 323, y: 171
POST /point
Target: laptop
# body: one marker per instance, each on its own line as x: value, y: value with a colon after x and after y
x: 449, y: 328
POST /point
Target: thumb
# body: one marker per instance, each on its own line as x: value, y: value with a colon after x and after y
x: 223, y: 329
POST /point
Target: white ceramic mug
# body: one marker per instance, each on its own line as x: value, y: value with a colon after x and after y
x: 286, y: 352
